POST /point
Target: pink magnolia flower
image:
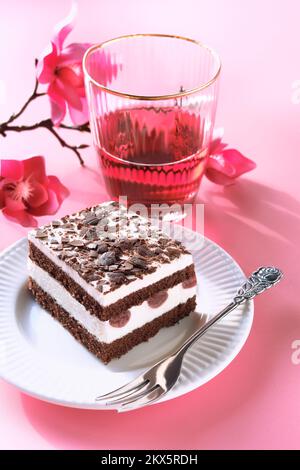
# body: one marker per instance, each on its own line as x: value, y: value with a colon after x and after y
x: 61, y: 68
x: 26, y: 191
x: 225, y: 165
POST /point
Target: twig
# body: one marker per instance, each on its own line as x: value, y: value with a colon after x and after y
x: 46, y: 124
x: 82, y: 128
x: 63, y: 143
x: 32, y: 97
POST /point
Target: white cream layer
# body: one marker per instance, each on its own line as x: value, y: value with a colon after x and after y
x: 162, y: 271
x: 102, y: 330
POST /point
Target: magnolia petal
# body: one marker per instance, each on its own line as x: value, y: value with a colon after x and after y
x: 72, y: 54
x: 225, y: 167
x: 11, y: 169
x: 27, y: 191
x: 71, y: 76
x: 220, y: 164
x: 218, y: 177
x: 64, y: 27
x: 57, y: 103
x: 79, y: 117
x: 56, y: 193
x: 49, y: 208
x: 69, y: 94
x: 46, y: 65
x: 2, y: 199
x: 217, y: 146
x: 34, y: 167
x: 240, y: 163
x: 56, y: 185
x: 58, y: 112
x: 38, y: 195
x: 21, y: 217
x: 12, y: 204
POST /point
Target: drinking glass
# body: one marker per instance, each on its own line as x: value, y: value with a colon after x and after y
x: 152, y: 101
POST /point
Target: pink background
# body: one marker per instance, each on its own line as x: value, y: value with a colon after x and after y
x: 254, y: 403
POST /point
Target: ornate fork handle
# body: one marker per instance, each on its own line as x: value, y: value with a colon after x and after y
x: 160, y: 378
x: 260, y: 280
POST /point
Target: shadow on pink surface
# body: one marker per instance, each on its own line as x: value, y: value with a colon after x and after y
x: 252, y: 212
x: 86, y: 187
x: 257, y: 225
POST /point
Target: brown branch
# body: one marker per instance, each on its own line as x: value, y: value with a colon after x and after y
x: 46, y: 124
x: 32, y: 97
x: 81, y: 128
x: 63, y: 143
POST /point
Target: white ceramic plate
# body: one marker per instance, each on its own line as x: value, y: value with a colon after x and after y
x: 42, y: 359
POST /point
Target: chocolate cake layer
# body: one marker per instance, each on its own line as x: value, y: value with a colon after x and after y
x: 108, y: 246
x: 135, y: 298
x: 108, y: 351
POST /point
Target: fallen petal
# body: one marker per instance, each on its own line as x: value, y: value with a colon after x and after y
x: 56, y: 193
x: 49, y: 208
x: 34, y: 167
x: 11, y: 169
x: 14, y: 205
x: 21, y: 217
x: 38, y: 195
x: 217, y: 146
x: 56, y: 185
x: 2, y: 199
x: 225, y: 167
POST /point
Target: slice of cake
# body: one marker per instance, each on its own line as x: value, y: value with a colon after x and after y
x: 110, y: 278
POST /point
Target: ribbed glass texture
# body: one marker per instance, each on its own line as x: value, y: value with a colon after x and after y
x: 152, y: 102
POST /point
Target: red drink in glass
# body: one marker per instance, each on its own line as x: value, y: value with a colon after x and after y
x: 152, y: 155
x: 152, y: 101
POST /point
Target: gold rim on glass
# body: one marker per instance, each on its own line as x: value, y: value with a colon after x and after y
x: 157, y: 97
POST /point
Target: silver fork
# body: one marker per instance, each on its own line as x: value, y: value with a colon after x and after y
x: 159, y: 379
